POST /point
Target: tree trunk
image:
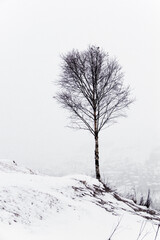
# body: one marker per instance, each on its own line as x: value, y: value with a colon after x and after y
x: 97, y: 157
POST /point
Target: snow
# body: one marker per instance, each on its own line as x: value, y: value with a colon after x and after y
x: 39, y: 207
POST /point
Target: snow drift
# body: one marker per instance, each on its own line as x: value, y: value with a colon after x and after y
x: 39, y: 207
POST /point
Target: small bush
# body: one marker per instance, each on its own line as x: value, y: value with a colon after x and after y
x: 141, y: 201
x: 148, y: 200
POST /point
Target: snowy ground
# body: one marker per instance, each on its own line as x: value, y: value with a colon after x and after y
x: 41, y: 207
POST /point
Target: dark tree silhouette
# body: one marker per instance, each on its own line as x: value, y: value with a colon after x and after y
x: 91, y: 87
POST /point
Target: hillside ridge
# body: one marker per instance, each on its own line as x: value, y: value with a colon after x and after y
x: 38, y: 204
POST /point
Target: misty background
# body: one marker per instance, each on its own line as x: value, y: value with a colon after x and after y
x: 33, y: 35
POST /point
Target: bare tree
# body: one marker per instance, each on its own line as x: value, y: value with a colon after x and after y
x: 92, y: 89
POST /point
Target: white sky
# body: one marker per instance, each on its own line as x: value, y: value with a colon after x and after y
x: 33, y: 34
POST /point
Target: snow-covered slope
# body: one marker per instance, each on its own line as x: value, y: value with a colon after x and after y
x: 9, y: 166
x: 77, y: 207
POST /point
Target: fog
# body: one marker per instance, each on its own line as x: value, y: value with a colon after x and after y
x: 33, y: 35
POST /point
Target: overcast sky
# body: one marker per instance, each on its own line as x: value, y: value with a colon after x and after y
x: 33, y: 35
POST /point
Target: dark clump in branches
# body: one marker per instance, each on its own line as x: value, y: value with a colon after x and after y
x: 93, y: 91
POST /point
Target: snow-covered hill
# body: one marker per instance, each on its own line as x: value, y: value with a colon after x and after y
x: 41, y: 207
